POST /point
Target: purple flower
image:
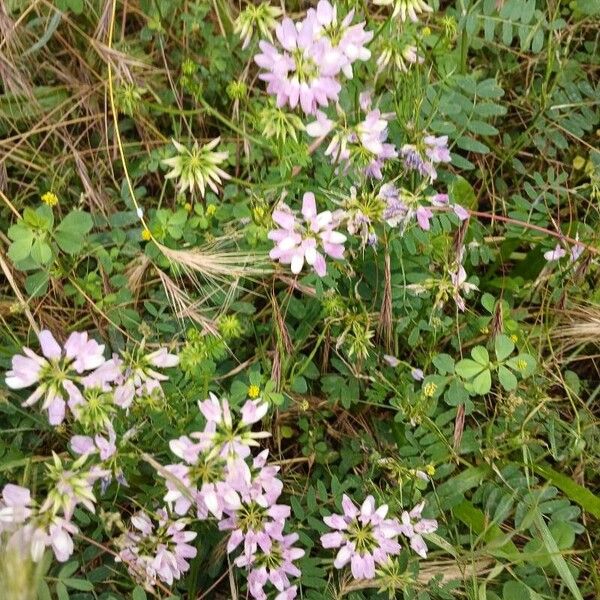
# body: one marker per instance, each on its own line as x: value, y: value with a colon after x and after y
x: 55, y: 372
x: 436, y: 148
x: 417, y: 374
x: 413, y: 526
x: 202, y: 482
x: 460, y: 284
x: 555, y: 254
x: 298, y: 242
x: 305, y: 72
x: 256, y: 523
x: 139, y: 376
x: 159, y: 551
x: 348, y: 39
x: 364, y: 537
x: 15, y: 506
x: 221, y: 435
x: 33, y: 530
x: 274, y: 565
x: 425, y: 156
x: 364, y: 143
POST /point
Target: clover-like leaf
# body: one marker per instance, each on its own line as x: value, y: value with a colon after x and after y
x: 507, y: 378
x: 480, y: 355
x: 467, y: 368
x: 503, y: 347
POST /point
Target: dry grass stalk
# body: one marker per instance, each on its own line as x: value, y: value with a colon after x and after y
x: 583, y: 327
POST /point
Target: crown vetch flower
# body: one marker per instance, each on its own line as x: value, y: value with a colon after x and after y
x: 407, y: 9
x: 298, y: 242
x: 305, y: 72
x: 256, y: 523
x: 197, y: 167
x: 31, y: 529
x: 274, y: 565
x: 203, y: 481
x: 139, y: 376
x: 349, y: 40
x: 159, y: 551
x: 224, y: 437
x: 55, y: 371
x: 262, y: 17
x: 364, y: 537
x: 71, y: 486
x: 413, y: 526
x: 363, y: 144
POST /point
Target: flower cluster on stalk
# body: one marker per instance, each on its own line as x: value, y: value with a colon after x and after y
x: 78, y: 377
x: 220, y: 478
x: 32, y: 527
x: 307, y: 241
x: 156, y: 548
x: 304, y: 68
x: 366, y: 538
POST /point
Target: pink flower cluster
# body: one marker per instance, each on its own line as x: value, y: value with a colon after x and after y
x: 64, y: 376
x: 220, y: 478
x: 298, y: 242
x: 424, y: 156
x: 312, y: 53
x: 366, y: 538
x: 401, y: 206
x: 363, y: 144
x: 156, y: 551
x: 31, y: 528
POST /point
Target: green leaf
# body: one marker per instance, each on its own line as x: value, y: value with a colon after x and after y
x: 507, y: 379
x: 61, y: 591
x: 79, y: 584
x: 72, y: 230
x: 43, y: 591
x: 444, y: 363
x: 503, y: 347
x: 582, y: 496
x: 557, y: 559
x: 138, y: 593
x: 468, y: 368
x: 471, y: 145
x: 480, y: 355
x: 482, y: 384
x: 523, y: 364
x: 41, y: 253
x: 515, y: 590
x: 481, y: 128
x: 20, y: 249
x: 500, y: 545
x: 68, y: 569
x: 462, y: 192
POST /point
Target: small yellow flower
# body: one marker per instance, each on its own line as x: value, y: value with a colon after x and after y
x: 253, y: 391
x: 426, y: 31
x: 146, y: 234
x: 188, y: 207
x: 578, y: 163
x: 50, y: 198
x: 430, y: 470
x: 484, y: 329
x: 514, y: 337
x: 211, y: 209
x: 429, y: 389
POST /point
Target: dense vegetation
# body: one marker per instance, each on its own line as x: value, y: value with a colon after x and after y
x: 299, y: 299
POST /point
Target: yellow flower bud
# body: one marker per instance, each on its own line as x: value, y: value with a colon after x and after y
x: 50, y: 198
